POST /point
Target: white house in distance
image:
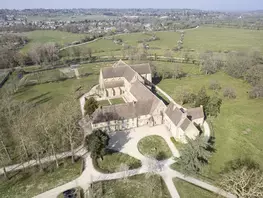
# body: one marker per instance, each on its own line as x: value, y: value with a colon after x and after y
x: 142, y: 107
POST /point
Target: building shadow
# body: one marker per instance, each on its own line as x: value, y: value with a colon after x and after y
x: 118, y: 139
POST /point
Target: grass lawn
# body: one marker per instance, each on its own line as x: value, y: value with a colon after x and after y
x: 132, y: 39
x: 45, y: 36
x: 190, y: 69
x: 187, y: 190
x: 168, y: 40
x: 32, y: 182
x: 117, y: 101
x: 42, y: 77
x: 236, y: 116
x: 221, y: 39
x: 113, y: 160
x: 52, y: 94
x: 104, y: 103
x: 154, y: 146
x: 102, y: 45
x: 142, y: 186
x: 31, y: 68
x: 93, y: 67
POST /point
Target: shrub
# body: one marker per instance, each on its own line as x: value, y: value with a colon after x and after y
x: 214, y: 85
x: 256, y: 92
x: 90, y: 106
x: 230, y: 93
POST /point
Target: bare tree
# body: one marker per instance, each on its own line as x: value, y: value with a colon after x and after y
x: 51, y: 52
x: 68, y: 115
x: 244, y: 182
x: 35, y: 53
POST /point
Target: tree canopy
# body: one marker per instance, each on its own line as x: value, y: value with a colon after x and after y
x: 195, y: 154
x: 90, y: 106
x: 97, y: 143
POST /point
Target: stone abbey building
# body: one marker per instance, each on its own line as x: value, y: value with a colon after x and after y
x: 142, y: 106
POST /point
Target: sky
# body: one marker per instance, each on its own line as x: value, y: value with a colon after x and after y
x: 228, y: 5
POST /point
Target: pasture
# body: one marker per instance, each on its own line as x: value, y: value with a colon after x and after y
x: 45, y: 36
x: 223, y: 39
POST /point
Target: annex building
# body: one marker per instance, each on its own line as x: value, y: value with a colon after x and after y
x: 142, y: 106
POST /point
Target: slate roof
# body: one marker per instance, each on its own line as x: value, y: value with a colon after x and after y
x: 195, y: 113
x: 122, y: 71
x: 185, y: 124
x: 121, y: 111
x: 142, y: 93
x: 142, y: 68
x: 174, y: 114
x: 113, y: 84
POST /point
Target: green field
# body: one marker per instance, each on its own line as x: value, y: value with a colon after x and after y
x: 112, y: 162
x: 187, y: 190
x: 32, y: 182
x: 221, y: 39
x: 236, y: 116
x: 45, y: 36
x: 154, y: 146
x: 52, y: 94
x: 142, y: 186
x: 101, y: 45
x: 93, y: 67
x: 133, y: 38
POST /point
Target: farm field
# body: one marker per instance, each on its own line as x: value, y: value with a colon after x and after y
x: 223, y: 39
x: 101, y: 45
x: 135, y: 186
x: 237, y: 115
x: 45, y: 36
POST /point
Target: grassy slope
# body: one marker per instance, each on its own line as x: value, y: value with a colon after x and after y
x: 45, y: 36
x: 94, y: 67
x: 53, y: 93
x: 101, y: 45
x: 34, y: 182
x: 236, y: 116
x: 215, y: 39
x: 132, y: 39
x: 154, y: 146
x: 112, y: 161
x: 133, y: 187
x: 187, y: 190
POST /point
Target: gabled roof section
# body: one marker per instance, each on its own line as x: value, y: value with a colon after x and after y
x: 121, y: 71
x: 195, y: 113
x: 113, y: 84
x: 142, y: 93
x: 110, y: 72
x: 120, y: 63
x: 185, y: 124
x: 142, y: 68
x: 174, y: 114
x: 121, y: 111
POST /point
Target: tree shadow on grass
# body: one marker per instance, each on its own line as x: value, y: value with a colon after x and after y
x: 44, y: 100
x: 38, y: 97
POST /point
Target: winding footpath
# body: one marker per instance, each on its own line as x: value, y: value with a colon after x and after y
x: 129, y: 146
x: 126, y: 142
